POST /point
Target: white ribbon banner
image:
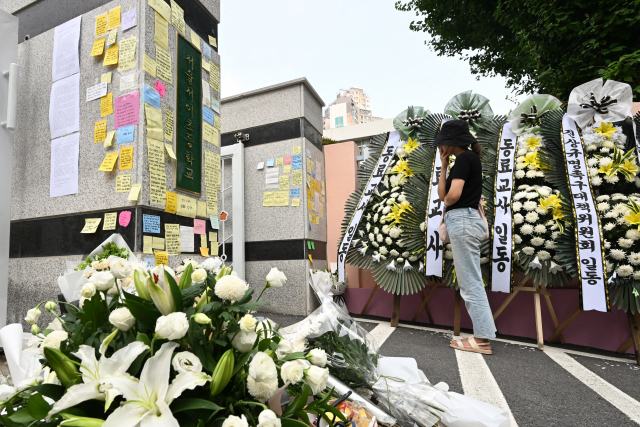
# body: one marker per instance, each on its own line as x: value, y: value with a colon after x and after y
x: 591, y: 267
x: 502, y: 233
x: 393, y: 140
x: 433, y: 257
x: 635, y: 136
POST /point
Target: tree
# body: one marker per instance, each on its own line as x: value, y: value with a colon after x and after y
x: 545, y: 46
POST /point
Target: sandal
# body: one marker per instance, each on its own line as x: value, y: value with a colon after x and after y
x: 475, y: 346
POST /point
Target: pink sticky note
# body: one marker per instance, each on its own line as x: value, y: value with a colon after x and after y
x: 199, y: 226
x: 125, y: 217
x: 126, y: 110
x: 287, y: 160
x: 160, y: 88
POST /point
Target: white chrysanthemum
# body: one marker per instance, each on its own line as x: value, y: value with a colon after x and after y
x: 231, y: 288
x: 402, y: 198
x: 604, y: 150
x: 386, y: 210
x: 603, y: 207
x: 526, y: 229
x: 532, y: 195
x: 516, y: 206
x: 611, y: 214
x: 375, y: 218
x: 591, y: 147
x: 549, y: 244
x: 603, y: 198
x: 544, y: 255
x: 383, y: 250
x: 423, y: 226
x: 448, y: 246
x: 376, y: 230
x: 613, y: 179
x: 633, y: 234
x: 544, y: 191
x: 634, y: 258
x: 379, y: 238
x: 484, y: 260
x: 520, y: 168
x: 361, y: 233
x: 400, y: 243
x: 539, y: 174
x: 625, y: 243
x: 540, y: 229
x: 542, y: 211
x: 523, y: 187
x: 372, y: 237
x: 607, y: 244
x: 605, y: 161
x: 623, y: 221
x: 413, y: 258
x: 388, y: 241
x: 528, y: 250
x: 517, y: 239
x: 617, y: 254
x: 621, y: 209
x: 531, y: 217
x: 386, y: 228
x: 530, y: 205
x: 555, y: 235
x: 517, y: 218
x: 593, y: 172
x: 531, y: 174
x: 395, y: 232
x: 390, y: 202
x: 394, y: 253
x: 375, y: 244
x: 521, y: 153
x: 406, y: 254
x: 368, y: 227
x: 609, y: 267
x: 519, y: 195
x: 596, y: 181
x: 520, y: 174
x: 261, y: 390
x: 448, y: 254
x: 369, y: 216
x: 537, y: 241
x: 592, y: 162
x: 609, y: 226
x: 394, y: 195
x: 624, y: 270
x: 384, y: 193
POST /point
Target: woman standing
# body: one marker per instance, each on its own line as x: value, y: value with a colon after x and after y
x: 460, y: 192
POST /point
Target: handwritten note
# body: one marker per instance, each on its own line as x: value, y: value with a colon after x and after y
x: 134, y: 194
x: 279, y: 161
x: 160, y: 88
x: 161, y: 33
x: 168, y: 125
x: 111, y: 56
x: 101, y: 25
x: 91, y: 225
x: 296, y: 161
x: 213, y: 219
x: 213, y: 42
x: 214, y: 77
x: 110, y: 220
x: 150, y: 223
x: 147, y: 244
x: 195, y: 40
x: 172, y: 202
x: 163, y: 61
x: 108, y: 140
x: 170, y: 152
x: 154, y: 122
x: 186, y: 239
x: 125, y: 134
x: 113, y: 35
x: 202, y: 209
x: 295, y: 202
x: 284, y: 182
x: 127, y: 109
x: 204, y: 251
x: 129, y: 19
x: 162, y: 257
x: 150, y: 96
x: 162, y: 8
x: 210, y: 134
x: 126, y: 158
x: 97, y: 91
x: 98, y: 47
x: 149, y: 65
x: 158, y: 243
x: 106, y: 105
x: 177, y: 18
x: 199, y: 226
x: 109, y: 162
x: 127, y: 53
x: 296, y: 177
x: 275, y: 198
x: 114, y: 17
x: 100, y: 131
x: 123, y: 183
x: 207, y: 115
x: 294, y: 192
x: 186, y: 206
x: 286, y: 169
x: 106, y: 77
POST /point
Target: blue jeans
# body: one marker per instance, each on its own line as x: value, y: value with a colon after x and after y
x: 466, y: 231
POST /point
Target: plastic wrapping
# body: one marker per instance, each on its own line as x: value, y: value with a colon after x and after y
x: 341, y: 388
x: 610, y: 102
x: 408, y: 130
x: 526, y: 116
x: 466, y: 104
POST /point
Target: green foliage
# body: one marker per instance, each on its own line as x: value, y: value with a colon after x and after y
x: 538, y: 46
x: 107, y: 250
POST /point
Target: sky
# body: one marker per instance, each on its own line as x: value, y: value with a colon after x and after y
x: 337, y: 44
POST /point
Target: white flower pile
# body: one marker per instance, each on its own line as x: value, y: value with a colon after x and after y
x: 527, y: 164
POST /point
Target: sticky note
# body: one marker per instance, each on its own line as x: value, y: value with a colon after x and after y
x: 127, y: 108
x: 147, y: 244
x: 294, y: 192
x: 161, y: 7
x: 161, y: 256
x: 202, y: 209
x: 97, y: 91
x: 270, y: 163
x: 210, y: 134
x: 206, y: 51
x: 151, y: 97
x: 295, y: 202
x: 160, y: 88
x: 205, y: 66
x: 309, y: 244
x: 213, y: 219
x: 212, y: 202
x: 308, y: 153
x: 108, y: 140
x: 98, y: 47
x: 91, y: 225
x: 260, y: 165
x: 214, y: 77
x: 310, y: 165
x: 170, y: 152
x: 154, y: 122
x: 186, y: 206
x: 168, y: 125
x: 150, y: 223
x: 161, y: 33
x: 213, y: 42
x: 199, y: 226
x: 106, y: 77
x: 109, y: 162
x: 172, y: 202
x: 129, y: 19
x: 163, y: 68
x: 310, y: 259
x: 287, y: 160
x: 284, y: 182
x: 127, y: 53
x: 204, y: 252
x: 125, y: 134
x: 113, y: 35
x: 275, y: 198
x: 213, y: 236
x: 123, y: 183
x: 149, y: 65
x: 279, y: 161
x: 207, y: 115
x: 215, y: 105
x: 177, y: 18
x: 296, y: 161
x: 158, y: 188
x: 297, y: 149
x: 158, y: 243
x: 101, y: 25
x: 100, y: 131
x: 195, y: 40
x: 134, y: 194
x: 286, y: 169
x: 126, y: 158
x: 114, y: 17
x: 110, y: 220
x: 106, y: 105
x: 111, y: 56
x: 203, y: 241
x: 217, y: 121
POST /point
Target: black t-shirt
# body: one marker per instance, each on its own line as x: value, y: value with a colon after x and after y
x: 468, y: 168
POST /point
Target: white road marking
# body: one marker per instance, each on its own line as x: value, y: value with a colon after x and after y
x: 625, y: 403
x: 381, y: 332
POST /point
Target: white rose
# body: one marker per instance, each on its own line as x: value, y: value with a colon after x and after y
x: 172, y: 326
x: 276, y: 278
x: 318, y: 357
x: 262, y: 368
x: 199, y: 276
x: 88, y: 290
x: 122, y: 319
x: 244, y: 341
x: 33, y: 315
x: 316, y: 378
x: 113, y: 291
x: 54, y: 339
x: 285, y: 348
x: 234, y: 421
x: 185, y: 361
x: 248, y: 323
x: 56, y: 325
x: 103, y: 280
x: 268, y: 418
x: 6, y: 391
x: 292, y: 372
x: 120, y: 267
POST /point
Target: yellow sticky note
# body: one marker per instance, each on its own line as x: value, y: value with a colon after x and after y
x: 108, y: 141
x: 162, y: 8
x: 149, y: 65
x: 113, y: 36
x: 155, y: 157
x: 213, y: 42
x: 310, y: 205
x: 111, y: 56
x: 284, y: 182
x: 295, y: 202
x: 101, y: 25
x: 106, y: 104
x: 296, y: 177
x: 106, y: 77
x: 275, y: 198
x: 172, y: 202
x: 163, y: 68
x: 91, y: 225
x: 205, y: 65
x: 310, y: 165
x: 210, y: 134
x: 127, y: 53
x: 202, y: 209
x: 286, y: 169
x: 162, y: 258
x: 214, y: 77
x: 170, y: 152
x: 109, y: 162
x: 213, y: 236
x: 126, y: 158
x: 177, y: 18
x: 186, y: 206
x: 98, y: 47
x: 161, y: 35
x: 296, y: 149
x: 217, y: 122
x: 134, y: 194
x: 158, y: 243
x: 203, y: 241
x: 110, y: 220
x: 204, y: 252
x: 114, y: 18
x: 158, y: 188
x: 154, y: 122
x: 168, y: 126
x: 212, y: 202
x: 195, y: 40
x: 310, y: 258
x: 147, y: 244
x: 279, y: 161
x: 123, y: 183
x: 100, y: 131
x: 322, y: 188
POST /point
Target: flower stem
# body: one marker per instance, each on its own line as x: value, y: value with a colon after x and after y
x: 242, y: 402
x: 153, y: 340
x: 266, y: 286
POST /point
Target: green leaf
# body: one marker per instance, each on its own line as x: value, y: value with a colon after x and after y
x: 143, y: 313
x: 240, y: 363
x: 37, y: 407
x: 185, y: 279
x: 246, y: 298
x: 22, y: 416
x: 175, y: 291
x: 180, y: 405
x: 137, y: 364
x: 52, y: 391
x: 289, y: 422
x: 298, y: 403
x: 143, y: 338
x: 293, y: 356
x: 189, y: 295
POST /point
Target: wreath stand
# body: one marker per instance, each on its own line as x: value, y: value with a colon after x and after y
x: 395, y: 309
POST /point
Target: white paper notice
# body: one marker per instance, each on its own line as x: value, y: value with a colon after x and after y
x: 129, y: 19
x: 64, y: 165
x: 206, y: 93
x: 66, y: 60
x: 128, y: 81
x: 97, y: 91
x: 186, y: 239
x: 64, y: 106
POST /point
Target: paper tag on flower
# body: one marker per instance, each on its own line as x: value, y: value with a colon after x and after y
x: 161, y: 88
x: 125, y: 217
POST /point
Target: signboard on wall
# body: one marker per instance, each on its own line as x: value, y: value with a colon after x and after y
x: 188, y: 117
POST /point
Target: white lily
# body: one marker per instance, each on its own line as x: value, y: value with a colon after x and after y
x: 159, y: 289
x: 95, y: 372
x: 148, y: 399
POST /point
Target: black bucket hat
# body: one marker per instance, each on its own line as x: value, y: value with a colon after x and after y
x: 455, y: 133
